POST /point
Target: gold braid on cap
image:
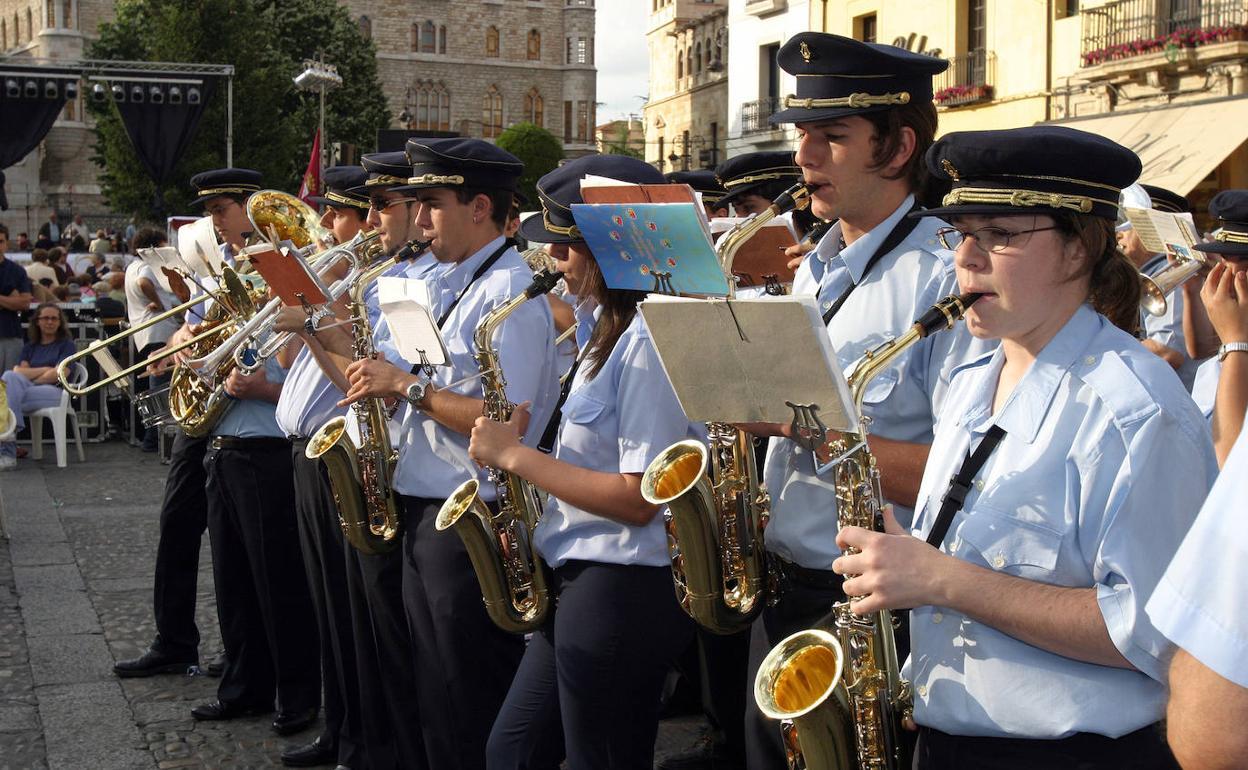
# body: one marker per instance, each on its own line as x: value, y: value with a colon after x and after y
x: 330, y: 195
x: 1230, y: 236
x: 857, y: 101
x: 229, y: 190
x: 570, y: 232
x: 1022, y: 199
x: 784, y: 173
x: 385, y: 179
x: 436, y: 179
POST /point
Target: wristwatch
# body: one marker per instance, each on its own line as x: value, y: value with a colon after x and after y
x: 1232, y: 347
x: 416, y: 393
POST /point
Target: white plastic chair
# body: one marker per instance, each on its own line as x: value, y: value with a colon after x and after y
x: 57, y: 415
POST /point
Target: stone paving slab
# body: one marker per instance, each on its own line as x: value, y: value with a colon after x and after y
x: 70, y: 659
x: 58, y: 613
x: 90, y: 726
x: 48, y: 577
x: 27, y: 554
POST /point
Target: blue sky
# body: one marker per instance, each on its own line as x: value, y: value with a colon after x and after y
x: 621, y: 57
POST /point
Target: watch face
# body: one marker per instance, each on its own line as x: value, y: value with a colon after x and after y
x: 415, y: 392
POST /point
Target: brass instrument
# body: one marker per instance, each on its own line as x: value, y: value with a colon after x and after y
x: 500, y: 545
x: 368, y: 508
x: 716, y: 507
x: 280, y: 216
x: 840, y: 695
x: 1155, y: 289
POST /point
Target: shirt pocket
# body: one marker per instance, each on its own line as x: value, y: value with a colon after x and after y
x: 582, y: 429
x: 1008, y: 544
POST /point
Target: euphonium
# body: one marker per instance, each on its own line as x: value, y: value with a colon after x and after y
x: 500, y: 545
x: 368, y: 508
x: 716, y: 508
x: 840, y: 695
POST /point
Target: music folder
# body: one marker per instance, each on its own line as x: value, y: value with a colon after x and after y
x: 289, y: 276
x: 405, y: 305
x: 741, y: 360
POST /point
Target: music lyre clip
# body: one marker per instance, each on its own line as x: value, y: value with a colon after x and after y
x: 663, y: 282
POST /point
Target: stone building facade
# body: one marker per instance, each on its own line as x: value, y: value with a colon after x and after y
x: 686, y: 114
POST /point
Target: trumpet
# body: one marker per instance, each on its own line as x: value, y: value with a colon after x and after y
x: 1154, y: 290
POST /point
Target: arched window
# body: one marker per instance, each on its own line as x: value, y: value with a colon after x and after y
x: 366, y: 28
x: 697, y: 57
x: 17, y: 31
x: 433, y: 107
x: 49, y: 15
x: 4, y: 36
x: 535, y: 45
x: 428, y: 37
x: 689, y: 61
x: 709, y: 47
x: 491, y: 42
x: 492, y: 113
x: 68, y: 20
x: 442, y: 39
x: 415, y: 37
x: 680, y: 64
x: 534, y: 106
x: 30, y: 26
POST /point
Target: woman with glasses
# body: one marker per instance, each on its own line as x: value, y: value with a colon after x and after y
x: 1078, y: 462
x: 32, y: 384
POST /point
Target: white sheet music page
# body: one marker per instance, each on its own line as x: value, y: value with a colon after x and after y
x: 405, y: 304
x: 740, y: 360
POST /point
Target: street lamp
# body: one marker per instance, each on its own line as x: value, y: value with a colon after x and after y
x: 321, y: 77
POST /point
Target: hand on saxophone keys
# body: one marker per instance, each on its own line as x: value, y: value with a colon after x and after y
x: 374, y: 378
x: 491, y: 443
x: 890, y: 569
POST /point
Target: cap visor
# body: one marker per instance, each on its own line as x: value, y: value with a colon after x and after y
x: 1223, y: 247
x: 534, y: 229
x: 803, y: 115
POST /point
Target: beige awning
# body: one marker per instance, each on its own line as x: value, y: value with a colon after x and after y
x: 1178, y: 145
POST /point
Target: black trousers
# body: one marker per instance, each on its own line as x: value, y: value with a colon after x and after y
x: 804, y: 602
x: 1144, y: 749
x: 320, y: 540
x: 183, y: 519
x: 266, y: 616
x: 464, y: 663
x: 597, y: 668
x: 722, y: 664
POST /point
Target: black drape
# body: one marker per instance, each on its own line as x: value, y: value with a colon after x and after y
x: 161, y: 133
x: 24, y: 123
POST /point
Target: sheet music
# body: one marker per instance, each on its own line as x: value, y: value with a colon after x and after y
x: 405, y: 304
x: 197, y: 243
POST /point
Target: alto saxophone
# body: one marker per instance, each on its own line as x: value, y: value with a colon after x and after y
x: 500, y: 545
x: 716, y: 508
x: 368, y: 509
x: 840, y: 696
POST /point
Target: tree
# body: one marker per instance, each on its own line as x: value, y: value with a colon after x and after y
x: 619, y: 145
x: 537, y: 148
x: 266, y: 41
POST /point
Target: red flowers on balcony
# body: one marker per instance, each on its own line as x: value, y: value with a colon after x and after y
x: 1187, y: 37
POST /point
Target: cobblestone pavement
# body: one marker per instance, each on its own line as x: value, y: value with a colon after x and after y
x: 75, y: 596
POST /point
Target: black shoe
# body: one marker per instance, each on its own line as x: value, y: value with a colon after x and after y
x: 216, y: 666
x: 311, y: 754
x: 291, y: 722
x: 215, y: 711
x: 153, y: 662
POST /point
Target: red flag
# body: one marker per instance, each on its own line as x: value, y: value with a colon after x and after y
x: 312, y: 177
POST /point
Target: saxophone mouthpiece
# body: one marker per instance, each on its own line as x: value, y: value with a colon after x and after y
x: 796, y: 197
x: 944, y: 314
x: 543, y: 282
x: 412, y: 249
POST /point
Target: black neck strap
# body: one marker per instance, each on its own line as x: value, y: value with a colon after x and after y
x: 547, y: 443
x: 486, y: 265
x: 960, y: 484
x: 895, y: 237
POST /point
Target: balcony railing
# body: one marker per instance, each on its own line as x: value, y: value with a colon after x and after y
x: 969, y: 79
x: 1133, y: 27
x: 754, y: 115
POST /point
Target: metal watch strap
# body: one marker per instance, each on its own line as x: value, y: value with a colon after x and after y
x: 1232, y: 347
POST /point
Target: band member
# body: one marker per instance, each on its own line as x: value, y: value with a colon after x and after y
x: 873, y: 273
x: 1221, y: 388
x: 1199, y: 606
x: 704, y: 181
x: 308, y: 400
x: 1163, y: 334
x: 263, y: 605
x: 1029, y: 572
x: 464, y: 662
x: 753, y: 180
x: 598, y: 665
x: 223, y: 194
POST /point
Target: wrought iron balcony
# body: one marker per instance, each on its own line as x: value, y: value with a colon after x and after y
x: 754, y: 115
x: 969, y: 79
x: 1128, y: 28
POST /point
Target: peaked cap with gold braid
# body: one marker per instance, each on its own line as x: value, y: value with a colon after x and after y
x: 234, y: 182
x: 1230, y: 207
x: 339, y: 182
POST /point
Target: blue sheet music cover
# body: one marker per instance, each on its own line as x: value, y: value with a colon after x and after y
x: 651, y: 247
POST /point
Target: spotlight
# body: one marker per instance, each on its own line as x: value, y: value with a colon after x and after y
x: 119, y: 94
x: 136, y: 94
x: 306, y: 79
x: 32, y: 89
x: 51, y: 90
x: 11, y: 89
x: 99, y: 93
x: 71, y: 90
x: 155, y: 95
x: 192, y: 96
x: 175, y: 95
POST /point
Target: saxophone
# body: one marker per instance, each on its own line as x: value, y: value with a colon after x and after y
x: 500, y: 545
x: 716, y: 507
x: 368, y: 509
x: 840, y: 694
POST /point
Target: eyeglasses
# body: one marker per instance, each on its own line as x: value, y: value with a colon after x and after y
x: 381, y: 204
x: 992, y: 239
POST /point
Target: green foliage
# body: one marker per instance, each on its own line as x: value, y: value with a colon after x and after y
x: 619, y: 144
x: 537, y: 148
x: 266, y: 41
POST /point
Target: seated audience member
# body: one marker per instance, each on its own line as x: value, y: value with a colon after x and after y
x: 32, y: 384
x: 100, y: 244
x: 23, y: 242
x: 39, y: 271
x: 58, y: 258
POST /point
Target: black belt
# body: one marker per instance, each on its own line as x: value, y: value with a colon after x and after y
x: 260, y: 443
x: 811, y: 578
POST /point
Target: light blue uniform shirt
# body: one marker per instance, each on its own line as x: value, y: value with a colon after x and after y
x: 309, y: 399
x: 253, y: 417
x: 1199, y: 603
x: 1205, y: 388
x: 1167, y: 328
x: 617, y: 422
x: 1093, y: 486
x: 899, y: 288
x: 433, y: 460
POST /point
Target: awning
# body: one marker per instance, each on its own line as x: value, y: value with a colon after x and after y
x: 1178, y: 145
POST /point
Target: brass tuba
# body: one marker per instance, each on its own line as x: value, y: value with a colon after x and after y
x: 368, y: 509
x: 500, y: 545
x: 283, y: 217
x: 840, y: 696
x: 716, y: 507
